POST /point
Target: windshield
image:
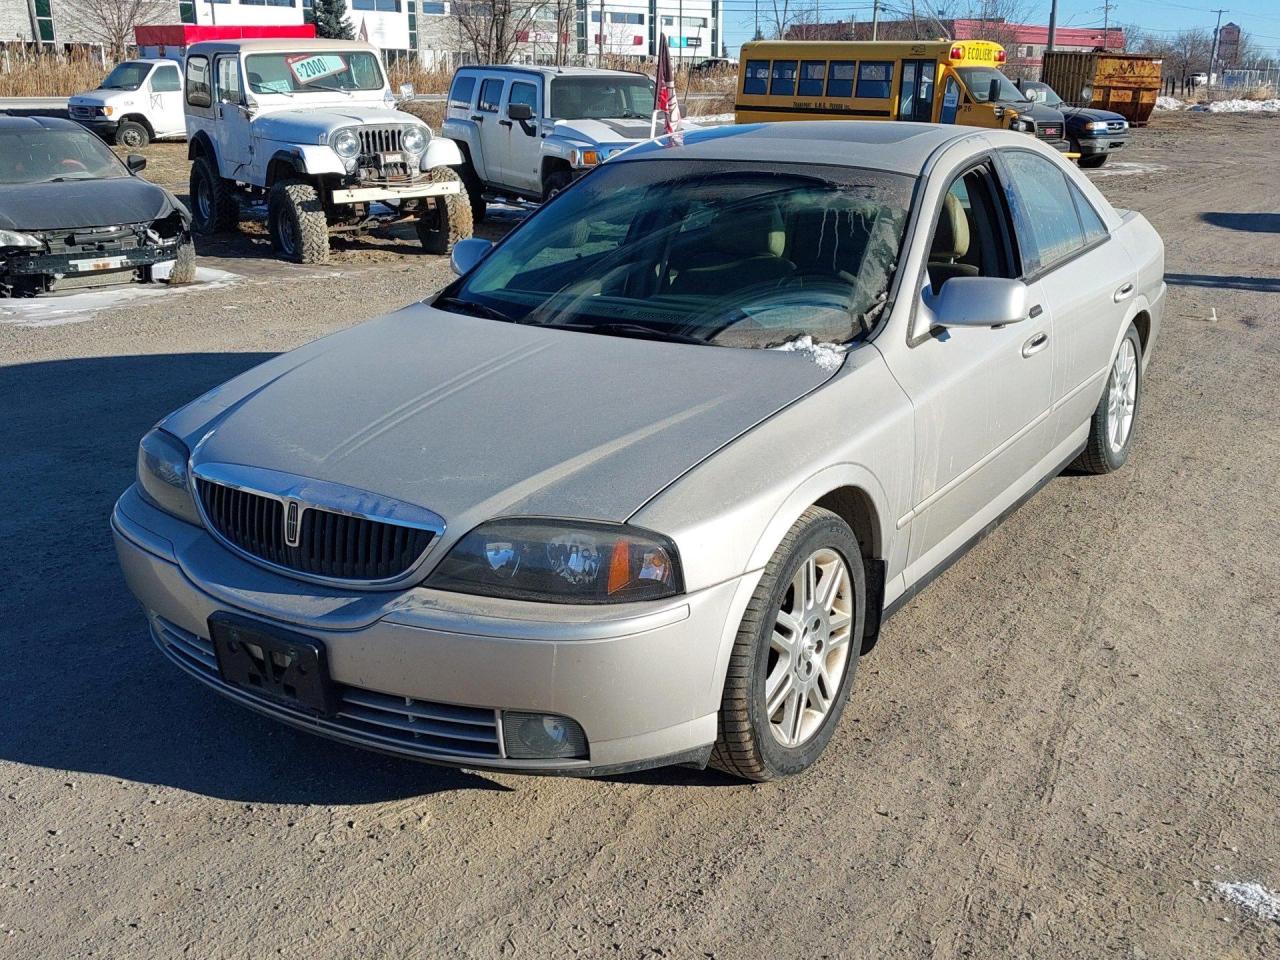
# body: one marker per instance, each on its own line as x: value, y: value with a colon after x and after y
x: 126, y: 76
x: 1041, y: 93
x: 601, y: 98
x: 733, y: 254
x: 978, y: 80
x: 313, y: 72
x: 43, y: 156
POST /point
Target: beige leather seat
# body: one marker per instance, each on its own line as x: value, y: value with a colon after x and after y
x: 740, y: 250
x: 950, y: 244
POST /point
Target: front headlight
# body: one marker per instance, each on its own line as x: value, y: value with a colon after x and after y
x: 162, y: 475
x: 1097, y: 126
x: 413, y: 140
x: 9, y: 238
x: 561, y: 561
x: 346, y: 144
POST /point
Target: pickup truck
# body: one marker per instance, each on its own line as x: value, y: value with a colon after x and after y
x: 1094, y: 134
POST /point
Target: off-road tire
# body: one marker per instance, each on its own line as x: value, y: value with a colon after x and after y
x: 557, y: 181
x: 449, y: 221
x: 132, y: 134
x: 296, y: 221
x: 475, y: 192
x: 1098, y: 457
x: 744, y: 746
x: 1093, y: 160
x: 221, y: 213
x: 184, y: 266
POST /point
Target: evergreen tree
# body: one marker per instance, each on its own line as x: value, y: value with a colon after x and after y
x: 331, y: 20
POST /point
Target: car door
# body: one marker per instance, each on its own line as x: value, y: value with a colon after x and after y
x: 165, y: 96
x: 492, y: 137
x: 915, y: 91
x: 523, y: 158
x: 232, y: 127
x: 1087, y: 279
x: 981, y: 395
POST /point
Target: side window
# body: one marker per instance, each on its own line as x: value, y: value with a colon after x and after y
x: 165, y: 80
x: 875, y: 79
x: 490, y: 95
x: 1044, y: 215
x: 950, y: 101
x: 756, y: 80
x: 228, y: 71
x: 840, y: 79
x: 812, y: 73
x: 969, y: 238
x: 525, y: 93
x: 783, y: 82
x: 460, y: 93
x: 198, y: 94
x: 1094, y: 228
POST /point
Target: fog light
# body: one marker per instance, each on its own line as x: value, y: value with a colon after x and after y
x: 542, y: 736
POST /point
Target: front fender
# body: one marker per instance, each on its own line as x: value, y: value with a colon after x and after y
x: 441, y: 152
x: 314, y: 158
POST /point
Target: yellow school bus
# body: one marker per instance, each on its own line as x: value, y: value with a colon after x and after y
x: 936, y: 81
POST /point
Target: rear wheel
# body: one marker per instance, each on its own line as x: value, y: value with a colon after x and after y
x: 296, y: 220
x: 449, y: 220
x: 1111, y: 428
x: 475, y: 192
x: 796, y: 653
x: 130, y: 133
x: 1093, y: 160
x: 215, y: 208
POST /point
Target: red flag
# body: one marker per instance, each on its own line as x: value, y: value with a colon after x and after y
x: 667, y: 104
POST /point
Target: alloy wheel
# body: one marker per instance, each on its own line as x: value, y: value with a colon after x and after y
x: 1122, y: 396
x: 809, y: 651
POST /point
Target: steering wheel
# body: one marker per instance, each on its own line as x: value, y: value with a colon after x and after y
x: 71, y: 163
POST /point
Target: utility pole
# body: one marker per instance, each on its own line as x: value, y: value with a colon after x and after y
x: 1053, y: 24
x: 756, y: 35
x: 1106, y: 24
x: 600, y: 36
x: 875, y: 19
x: 1213, y: 56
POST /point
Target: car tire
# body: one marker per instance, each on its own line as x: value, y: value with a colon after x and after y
x: 1112, y: 425
x: 215, y: 208
x: 475, y: 193
x: 295, y: 218
x: 772, y: 720
x: 132, y: 134
x: 449, y: 220
x: 184, y: 265
x: 1093, y: 161
x: 557, y: 181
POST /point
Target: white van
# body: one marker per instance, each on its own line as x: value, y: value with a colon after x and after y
x: 139, y: 101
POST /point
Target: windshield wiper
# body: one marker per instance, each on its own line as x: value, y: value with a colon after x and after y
x: 634, y: 330
x: 474, y: 308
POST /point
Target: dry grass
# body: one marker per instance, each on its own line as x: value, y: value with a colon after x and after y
x: 27, y: 74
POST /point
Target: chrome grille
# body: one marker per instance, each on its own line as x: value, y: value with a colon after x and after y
x: 378, y: 720
x: 1115, y: 126
x: 327, y: 543
x: 376, y: 140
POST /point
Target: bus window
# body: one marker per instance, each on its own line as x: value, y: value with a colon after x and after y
x: 950, y: 101
x: 812, y: 73
x: 840, y: 79
x: 915, y: 93
x: 757, y: 78
x: 875, y: 79
x: 783, y: 83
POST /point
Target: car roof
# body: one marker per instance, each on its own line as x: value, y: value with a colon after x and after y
x: 34, y: 123
x: 890, y: 145
x: 553, y: 71
x: 278, y: 46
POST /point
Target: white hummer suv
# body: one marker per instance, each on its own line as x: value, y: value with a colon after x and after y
x: 313, y: 125
x: 530, y: 131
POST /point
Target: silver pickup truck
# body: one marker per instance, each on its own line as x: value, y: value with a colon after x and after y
x: 528, y: 132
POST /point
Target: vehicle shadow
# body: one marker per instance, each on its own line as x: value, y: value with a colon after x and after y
x: 82, y: 688
x: 1255, y: 284
x: 1247, y: 222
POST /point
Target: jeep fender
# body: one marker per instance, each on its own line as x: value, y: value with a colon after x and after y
x: 441, y: 152
x: 285, y: 162
x: 201, y: 145
x: 315, y: 159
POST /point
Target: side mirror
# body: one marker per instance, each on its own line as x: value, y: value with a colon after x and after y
x: 407, y: 92
x: 468, y: 253
x: 136, y: 163
x: 979, y: 302
x: 519, y: 111
x: 993, y: 91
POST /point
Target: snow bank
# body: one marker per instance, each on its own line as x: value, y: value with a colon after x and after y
x: 828, y: 356
x: 1253, y: 897
x: 1239, y: 106
x: 1169, y: 103
x: 57, y: 309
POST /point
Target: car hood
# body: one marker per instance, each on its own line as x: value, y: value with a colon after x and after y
x: 84, y: 203
x: 476, y: 418
x: 305, y: 125
x: 602, y: 131
x: 1089, y: 114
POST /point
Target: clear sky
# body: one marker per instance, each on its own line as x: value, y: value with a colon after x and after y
x: 1259, y: 18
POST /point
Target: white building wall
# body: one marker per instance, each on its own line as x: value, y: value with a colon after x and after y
x: 236, y: 14
x: 694, y: 28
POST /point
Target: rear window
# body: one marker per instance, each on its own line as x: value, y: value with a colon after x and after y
x: 875, y: 79
x: 198, y: 93
x: 756, y: 80
x: 461, y: 91
x: 783, y: 83
x: 840, y: 79
x: 812, y: 73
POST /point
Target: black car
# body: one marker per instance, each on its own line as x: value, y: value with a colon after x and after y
x: 73, y: 214
x: 1094, y: 134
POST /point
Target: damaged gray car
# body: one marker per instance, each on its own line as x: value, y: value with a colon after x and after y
x: 72, y: 214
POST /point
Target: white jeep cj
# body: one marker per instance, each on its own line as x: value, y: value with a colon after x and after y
x: 313, y: 125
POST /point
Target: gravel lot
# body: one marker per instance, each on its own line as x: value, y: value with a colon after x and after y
x: 1056, y: 751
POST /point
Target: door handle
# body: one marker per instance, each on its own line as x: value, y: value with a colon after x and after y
x: 477, y: 118
x: 504, y: 123
x: 1035, y: 344
x: 1123, y: 293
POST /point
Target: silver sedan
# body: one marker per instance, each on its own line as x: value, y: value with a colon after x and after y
x: 642, y: 484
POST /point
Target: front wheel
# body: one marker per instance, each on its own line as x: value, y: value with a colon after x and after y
x: 298, y: 226
x: 132, y: 134
x: 1093, y: 160
x: 449, y: 219
x: 796, y: 653
x: 1111, y: 427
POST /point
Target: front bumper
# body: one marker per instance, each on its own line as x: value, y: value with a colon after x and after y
x: 641, y: 679
x: 427, y: 188
x: 102, y: 126
x: 82, y: 264
x: 1105, y: 143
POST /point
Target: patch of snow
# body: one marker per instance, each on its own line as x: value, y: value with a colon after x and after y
x: 711, y: 118
x: 827, y: 356
x: 83, y: 305
x: 1239, y: 106
x: 1253, y: 897
x: 1169, y: 103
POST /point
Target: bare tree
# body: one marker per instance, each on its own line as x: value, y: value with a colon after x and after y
x: 1185, y: 53
x: 491, y: 30
x: 781, y: 17
x: 111, y: 22
x: 563, y: 12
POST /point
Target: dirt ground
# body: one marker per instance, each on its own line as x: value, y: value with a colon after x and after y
x: 1056, y: 750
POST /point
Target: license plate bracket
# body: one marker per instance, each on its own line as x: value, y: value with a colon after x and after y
x: 280, y: 665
